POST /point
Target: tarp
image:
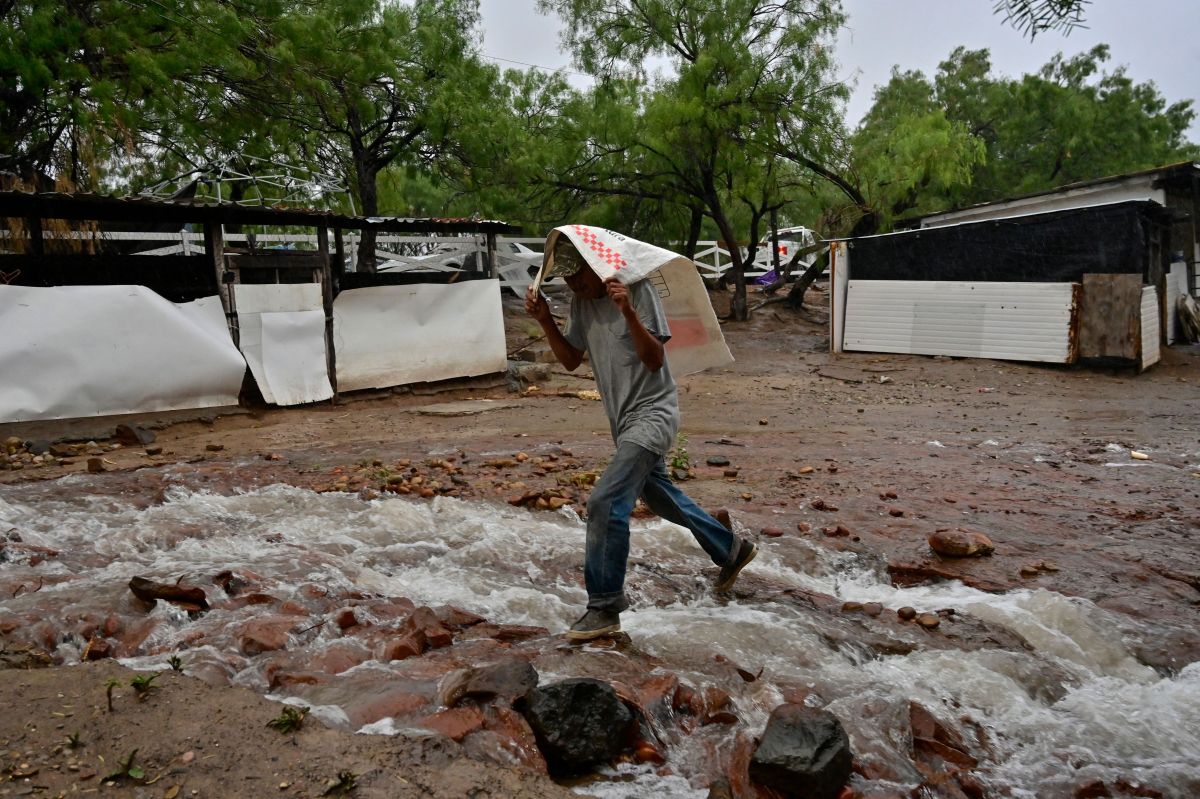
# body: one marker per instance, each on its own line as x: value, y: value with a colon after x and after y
x: 696, y: 339
x: 394, y: 335
x: 282, y: 333
x: 1054, y: 247
x: 72, y: 351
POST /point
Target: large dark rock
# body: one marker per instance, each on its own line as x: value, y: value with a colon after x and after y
x: 804, y: 752
x: 579, y: 723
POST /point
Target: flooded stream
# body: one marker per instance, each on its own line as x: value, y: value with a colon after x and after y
x: 1071, y: 704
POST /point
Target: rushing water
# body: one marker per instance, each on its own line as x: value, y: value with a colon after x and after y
x: 1074, y: 705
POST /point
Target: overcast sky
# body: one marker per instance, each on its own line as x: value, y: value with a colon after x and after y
x: 1157, y: 40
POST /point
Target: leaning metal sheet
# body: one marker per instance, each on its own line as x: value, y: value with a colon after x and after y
x: 282, y: 333
x: 394, y: 335
x: 77, y: 351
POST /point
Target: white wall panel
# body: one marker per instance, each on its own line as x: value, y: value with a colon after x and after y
x: 71, y: 351
x: 394, y: 335
x: 282, y: 335
x: 1151, y: 333
x: 1009, y: 321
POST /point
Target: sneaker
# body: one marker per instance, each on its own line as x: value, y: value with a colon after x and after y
x: 594, y: 624
x: 746, y: 550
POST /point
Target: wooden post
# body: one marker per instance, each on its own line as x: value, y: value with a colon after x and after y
x: 490, y: 264
x: 339, y: 252
x: 214, y: 250
x: 36, y: 245
x: 325, y: 278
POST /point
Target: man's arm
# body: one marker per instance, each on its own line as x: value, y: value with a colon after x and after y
x: 649, y: 349
x: 535, y: 306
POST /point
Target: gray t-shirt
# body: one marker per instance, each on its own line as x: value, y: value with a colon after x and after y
x: 642, y: 406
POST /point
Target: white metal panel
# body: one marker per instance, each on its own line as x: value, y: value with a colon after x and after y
x: 395, y: 335
x: 72, y: 351
x: 839, y: 277
x: 282, y: 334
x: 1151, y: 349
x: 1009, y: 321
x: 1176, y: 288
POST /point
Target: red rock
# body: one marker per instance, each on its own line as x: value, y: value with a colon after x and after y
x: 408, y: 646
x: 455, y: 723
x: 515, y: 736
x: 424, y: 621
x: 895, y: 512
x: 772, y: 532
x: 345, y: 619
x: 960, y: 543
x: 803, y: 527
x: 457, y: 618
x: 97, y: 649
x: 1092, y: 789
x: 396, y: 703
x: 266, y: 634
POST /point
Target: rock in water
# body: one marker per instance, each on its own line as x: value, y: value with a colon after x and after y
x: 804, y: 752
x: 579, y: 723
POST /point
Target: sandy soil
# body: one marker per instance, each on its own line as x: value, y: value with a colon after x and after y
x: 859, y: 451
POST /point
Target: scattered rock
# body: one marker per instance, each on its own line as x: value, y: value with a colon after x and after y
x: 961, y: 543
x: 153, y: 450
x: 907, y: 613
x: 872, y: 609
x: 804, y: 752
x: 717, y: 460
x: 928, y: 620
x: 772, y: 532
x: 149, y: 591
x: 95, y: 465
x: 510, y: 679
x: 730, y: 473
x: 804, y: 527
x: 133, y: 434
x: 214, y: 447
x: 820, y: 504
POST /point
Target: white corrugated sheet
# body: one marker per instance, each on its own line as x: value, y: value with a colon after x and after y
x: 1008, y: 321
x: 1151, y: 349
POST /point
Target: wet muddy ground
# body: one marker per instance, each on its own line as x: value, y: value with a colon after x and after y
x: 1087, y: 481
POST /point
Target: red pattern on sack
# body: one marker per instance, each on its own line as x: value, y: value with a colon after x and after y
x: 606, y: 253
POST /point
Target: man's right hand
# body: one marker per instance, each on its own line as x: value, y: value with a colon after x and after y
x: 537, y: 307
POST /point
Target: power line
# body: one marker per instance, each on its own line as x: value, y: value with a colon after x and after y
x: 536, y: 66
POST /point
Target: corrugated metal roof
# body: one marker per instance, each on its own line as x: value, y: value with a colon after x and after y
x: 136, y: 208
x: 1182, y: 169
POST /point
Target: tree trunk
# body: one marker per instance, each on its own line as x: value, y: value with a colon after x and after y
x: 865, y: 226
x: 694, y: 232
x: 739, y: 310
x: 368, y: 195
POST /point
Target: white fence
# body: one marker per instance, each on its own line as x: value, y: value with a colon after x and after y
x: 516, y: 258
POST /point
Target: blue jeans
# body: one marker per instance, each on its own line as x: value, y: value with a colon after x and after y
x: 636, y: 471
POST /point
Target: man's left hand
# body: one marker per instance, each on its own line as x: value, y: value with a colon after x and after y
x: 618, y: 292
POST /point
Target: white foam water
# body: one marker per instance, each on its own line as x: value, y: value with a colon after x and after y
x: 1074, y: 705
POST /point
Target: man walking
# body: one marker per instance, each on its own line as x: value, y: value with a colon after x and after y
x: 623, y: 329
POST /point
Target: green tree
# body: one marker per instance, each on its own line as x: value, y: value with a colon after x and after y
x: 697, y: 140
x: 380, y: 84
